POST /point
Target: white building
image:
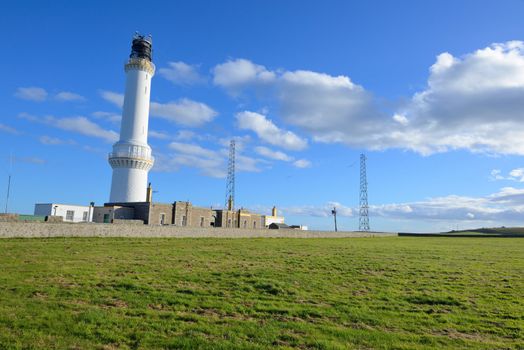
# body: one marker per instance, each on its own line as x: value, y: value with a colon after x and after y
x: 70, y: 213
x: 131, y: 158
x: 273, y: 218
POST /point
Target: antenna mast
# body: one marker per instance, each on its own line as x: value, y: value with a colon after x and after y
x: 363, y: 222
x: 230, y: 184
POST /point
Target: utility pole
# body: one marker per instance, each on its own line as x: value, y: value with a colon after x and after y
x: 334, y: 212
x: 9, y: 182
x: 230, y: 184
x: 8, y: 190
x: 363, y: 223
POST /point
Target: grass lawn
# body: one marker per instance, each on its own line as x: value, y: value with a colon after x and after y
x: 364, y: 293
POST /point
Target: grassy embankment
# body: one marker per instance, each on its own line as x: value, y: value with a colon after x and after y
x: 415, y: 293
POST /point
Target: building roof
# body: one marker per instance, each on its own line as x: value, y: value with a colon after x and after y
x: 278, y: 226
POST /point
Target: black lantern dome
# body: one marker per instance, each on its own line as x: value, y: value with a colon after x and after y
x: 142, y: 47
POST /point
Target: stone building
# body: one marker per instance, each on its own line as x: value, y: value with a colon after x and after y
x: 239, y: 219
x: 152, y: 213
x: 185, y: 214
x: 179, y: 213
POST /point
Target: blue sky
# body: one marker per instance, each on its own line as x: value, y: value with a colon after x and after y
x: 431, y: 91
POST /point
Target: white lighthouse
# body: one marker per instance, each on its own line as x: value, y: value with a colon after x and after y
x: 131, y: 158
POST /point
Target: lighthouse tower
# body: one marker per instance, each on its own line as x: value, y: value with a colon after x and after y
x: 131, y: 158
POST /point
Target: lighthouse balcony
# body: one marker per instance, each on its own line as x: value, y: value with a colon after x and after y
x: 131, y: 156
x: 119, y: 160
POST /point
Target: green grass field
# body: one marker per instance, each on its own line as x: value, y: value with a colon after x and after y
x: 364, y: 293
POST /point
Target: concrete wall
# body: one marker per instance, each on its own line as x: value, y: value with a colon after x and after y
x: 20, y: 229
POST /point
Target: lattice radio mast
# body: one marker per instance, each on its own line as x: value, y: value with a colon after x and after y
x: 363, y: 222
x: 230, y: 185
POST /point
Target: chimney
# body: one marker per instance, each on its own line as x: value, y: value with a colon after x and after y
x: 149, y: 193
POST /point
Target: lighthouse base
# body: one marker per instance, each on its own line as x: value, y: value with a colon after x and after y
x: 128, y: 185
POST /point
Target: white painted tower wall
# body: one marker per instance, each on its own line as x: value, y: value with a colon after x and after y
x: 131, y: 158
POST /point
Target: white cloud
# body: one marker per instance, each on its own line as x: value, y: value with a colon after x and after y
x: 83, y: 126
x: 181, y: 73
x: 505, y: 207
x: 193, y: 149
x: 184, y: 135
x: 48, y: 140
x: 514, y: 175
x: 518, y: 174
x: 31, y: 93
x: 210, y: 162
x: 267, y: 131
x: 272, y: 154
x: 109, y: 116
x: 39, y: 94
x: 158, y: 135
x: 69, y: 96
x: 79, y: 124
x: 241, y: 142
x: 184, y: 111
x: 401, y: 119
x: 331, y: 108
x: 302, y: 163
x: 496, y: 175
x: 508, y: 196
x: 234, y: 75
x: 247, y: 164
x: 8, y: 129
x: 474, y: 102
x: 113, y: 97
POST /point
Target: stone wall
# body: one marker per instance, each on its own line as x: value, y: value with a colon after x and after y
x: 27, y: 230
x: 54, y: 219
x: 127, y: 222
x: 8, y: 217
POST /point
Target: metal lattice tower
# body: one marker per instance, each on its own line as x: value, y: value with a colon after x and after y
x: 230, y: 185
x: 363, y: 222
